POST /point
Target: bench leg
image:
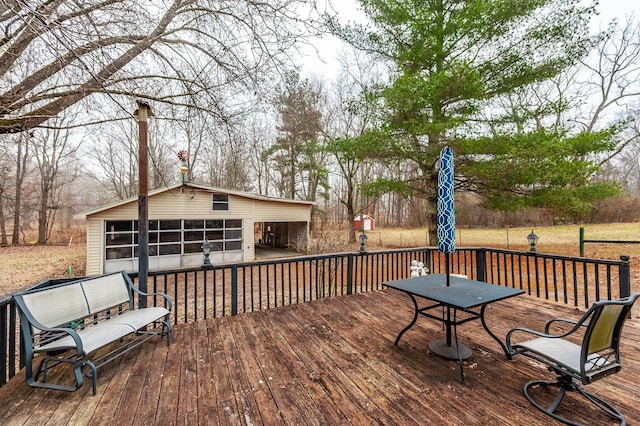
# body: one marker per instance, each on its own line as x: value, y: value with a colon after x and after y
x: 167, y: 331
x: 93, y: 374
x: 43, y: 367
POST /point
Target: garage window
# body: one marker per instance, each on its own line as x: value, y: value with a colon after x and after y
x: 171, y: 237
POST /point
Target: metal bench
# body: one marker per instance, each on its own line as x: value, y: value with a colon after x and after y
x: 68, y: 323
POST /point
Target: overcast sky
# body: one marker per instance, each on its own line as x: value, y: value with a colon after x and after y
x: 329, y: 47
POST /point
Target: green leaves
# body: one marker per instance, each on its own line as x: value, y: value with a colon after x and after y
x: 538, y: 169
x: 451, y: 61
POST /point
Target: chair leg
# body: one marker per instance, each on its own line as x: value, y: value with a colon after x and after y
x: 565, y: 385
x: 603, y: 405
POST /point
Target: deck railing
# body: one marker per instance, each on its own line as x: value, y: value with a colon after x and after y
x: 247, y: 287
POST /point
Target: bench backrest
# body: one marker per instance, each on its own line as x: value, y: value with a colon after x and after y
x: 59, y: 305
x: 56, y: 306
x: 105, y: 292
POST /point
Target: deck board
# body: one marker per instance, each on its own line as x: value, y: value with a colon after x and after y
x: 327, y: 362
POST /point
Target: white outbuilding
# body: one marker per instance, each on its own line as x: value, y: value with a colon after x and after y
x: 182, y: 217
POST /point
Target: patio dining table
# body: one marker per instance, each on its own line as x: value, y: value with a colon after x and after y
x: 465, y: 296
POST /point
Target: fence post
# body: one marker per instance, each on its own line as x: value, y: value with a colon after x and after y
x: 4, y: 343
x: 481, y: 264
x: 234, y: 290
x: 625, y: 277
x: 427, y: 260
x: 349, y: 273
x: 22, y: 358
x: 582, y: 241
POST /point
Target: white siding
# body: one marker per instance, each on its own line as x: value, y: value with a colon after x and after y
x: 95, y: 246
x: 272, y: 211
x: 194, y: 203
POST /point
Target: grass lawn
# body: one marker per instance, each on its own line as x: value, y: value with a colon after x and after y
x: 557, y: 239
x: 27, y: 264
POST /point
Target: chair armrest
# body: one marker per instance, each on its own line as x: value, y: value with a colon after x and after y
x: 509, y: 345
x: 565, y: 321
x: 529, y: 331
x: 575, y: 326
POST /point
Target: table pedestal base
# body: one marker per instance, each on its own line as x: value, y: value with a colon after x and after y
x: 440, y: 348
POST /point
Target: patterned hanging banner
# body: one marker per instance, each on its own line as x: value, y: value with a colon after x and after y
x: 446, y: 211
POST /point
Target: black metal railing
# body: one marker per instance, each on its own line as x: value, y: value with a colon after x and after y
x: 577, y: 281
x: 223, y: 290
x: 247, y: 287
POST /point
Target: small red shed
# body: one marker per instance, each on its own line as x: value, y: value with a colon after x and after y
x: 364, y: 222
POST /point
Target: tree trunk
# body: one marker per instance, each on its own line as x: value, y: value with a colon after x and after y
x: 349, y: 203
x: 432, y: 219
x: 21, y: 163
x: 3, y: 227
x: 42, y: 216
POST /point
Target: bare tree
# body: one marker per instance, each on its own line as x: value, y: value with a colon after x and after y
x: 345, y: 119
x: 224, y: 161
x: 180, y: 52
x: 55, y: 155
x: 23, y: 155
x: 625, y: 168
x: 614, y: 72
x: 116, y: 157
x: 6, y: 166
x: 260, y: 134
x: 163, y: 149
x: 600, y: 94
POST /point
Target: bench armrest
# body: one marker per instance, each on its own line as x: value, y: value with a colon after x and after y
x: 168, y: 304
x: 69, y: 331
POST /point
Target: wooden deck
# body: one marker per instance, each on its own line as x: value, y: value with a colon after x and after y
x: 329, y: 362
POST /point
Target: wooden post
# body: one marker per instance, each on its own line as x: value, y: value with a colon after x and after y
x: 143, y: 112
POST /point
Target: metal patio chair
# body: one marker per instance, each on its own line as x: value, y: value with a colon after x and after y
x: 595, y: 357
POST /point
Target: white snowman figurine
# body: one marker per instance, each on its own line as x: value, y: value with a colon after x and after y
x: 414, y: 268
x: 422, y: 270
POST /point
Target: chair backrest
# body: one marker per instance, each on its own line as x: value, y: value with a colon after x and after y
x: 601, y: 344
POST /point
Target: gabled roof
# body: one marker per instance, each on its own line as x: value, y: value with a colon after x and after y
x: 213, y: 190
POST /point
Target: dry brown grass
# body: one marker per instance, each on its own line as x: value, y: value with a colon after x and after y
x: 563, y: 240
x: 557, y: 239
x: 27, y: 264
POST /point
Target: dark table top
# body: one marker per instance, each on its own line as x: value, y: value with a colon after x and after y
x: 462, y: 293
